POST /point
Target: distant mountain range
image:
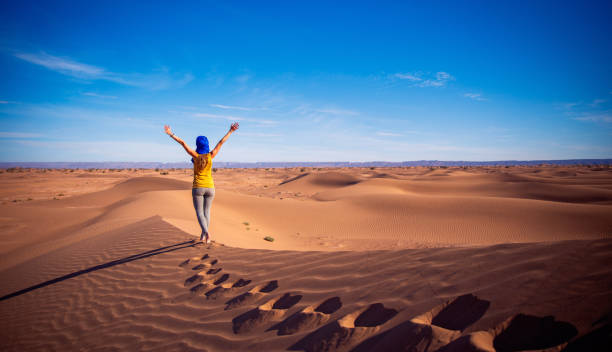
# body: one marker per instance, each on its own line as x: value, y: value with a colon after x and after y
x: 222, y: 164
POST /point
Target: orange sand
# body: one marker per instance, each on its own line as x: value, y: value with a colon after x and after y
x: 447, y: 259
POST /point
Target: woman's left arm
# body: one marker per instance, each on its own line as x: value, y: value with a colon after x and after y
x: 233, y: 127
x: 180, y: 141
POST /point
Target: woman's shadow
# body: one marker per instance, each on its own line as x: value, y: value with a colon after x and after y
x: 161, y: 250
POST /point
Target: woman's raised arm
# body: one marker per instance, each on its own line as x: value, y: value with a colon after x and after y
x: 233, y: 127
x: 180, y: 141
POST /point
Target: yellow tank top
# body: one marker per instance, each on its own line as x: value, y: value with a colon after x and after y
x: 202, y: 166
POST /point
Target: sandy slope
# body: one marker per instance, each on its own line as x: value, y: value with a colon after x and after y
x: 471, y: 259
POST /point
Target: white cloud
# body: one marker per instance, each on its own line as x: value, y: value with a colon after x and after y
x: 234, y: 118
x: 337, y: 111
x: 19, y: 135
x: 388, y: 134
x: 7, y: 102
x: 243, y: 78
x: 255, y: 134
x: 230, y: 107
x: 603, y: 117
x: 62, y: 65
x: 109, y: 150
x: 597, y: 102
x: 162, y: 79
x: 474, y: 96
x: 571, y: 105
x: 408, y: 76
x: 92, y: 94
x: 439, y: 79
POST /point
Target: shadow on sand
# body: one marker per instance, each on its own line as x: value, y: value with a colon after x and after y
x: 138, y: 256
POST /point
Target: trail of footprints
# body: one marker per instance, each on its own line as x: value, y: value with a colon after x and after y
x: 372, y: 328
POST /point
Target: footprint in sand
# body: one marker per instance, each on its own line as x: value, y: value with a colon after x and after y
x: 223, y: 289
x: 528, y: 332
x: 205, y: 265
x: 213, y: 271
x: 340, y: 334
x: 272, y: 310
x: 309, y: 317
x: 193, y: 260
x: 434, y: 329
x: 202, y: 274
x: 518, y: 333
x: 440, y: 329
x: 206, y: 283
x: 254, y: 293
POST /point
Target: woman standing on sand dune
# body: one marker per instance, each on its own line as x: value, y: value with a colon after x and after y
x: 203, y: 190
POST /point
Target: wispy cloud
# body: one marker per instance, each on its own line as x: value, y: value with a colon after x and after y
x: 19, y: 135
x: 596, y: 117
x: 439, y: 79
x: 474, y: 96
x: 255, y: 134
x: 408, y: 76
x: 570, y: 105
x: 231, y: 107
x: 7, y: 102
x: 92, y: 94
x: 597, y: 102
x: 337, y: 111
x: 107, y: 150
x: 161, y: 79
x: 234, y: 118
x: 62, y: 65
x: 243, y: 78
x: 388, y: 134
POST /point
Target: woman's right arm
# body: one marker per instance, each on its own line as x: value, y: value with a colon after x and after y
x: 180, y: 141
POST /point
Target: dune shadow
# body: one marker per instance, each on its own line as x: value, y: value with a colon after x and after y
x: 461, y: 312
x: 527, y: 332
x: 150, y: 253
x: 294, y: 178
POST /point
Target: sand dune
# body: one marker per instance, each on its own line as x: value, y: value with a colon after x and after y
x: 362, y: 260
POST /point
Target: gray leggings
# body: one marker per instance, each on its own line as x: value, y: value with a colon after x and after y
x: 202, y: 200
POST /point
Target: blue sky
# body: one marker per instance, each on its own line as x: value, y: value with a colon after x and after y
x: 309, y: 81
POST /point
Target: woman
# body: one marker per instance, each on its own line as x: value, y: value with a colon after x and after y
x: 203, y: 190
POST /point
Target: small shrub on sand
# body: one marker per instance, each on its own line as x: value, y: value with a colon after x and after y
x: 214, y: 169
x: 163, y: 173
x: 245, y: 223
x: 269, y: 239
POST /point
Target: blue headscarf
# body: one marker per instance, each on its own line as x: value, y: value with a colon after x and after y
x: 201, y: 146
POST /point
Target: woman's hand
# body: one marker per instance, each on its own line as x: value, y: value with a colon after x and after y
x: 234, y: 126
x: 168, y: 130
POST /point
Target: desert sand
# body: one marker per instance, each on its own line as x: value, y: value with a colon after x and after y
x: 362, y: 259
